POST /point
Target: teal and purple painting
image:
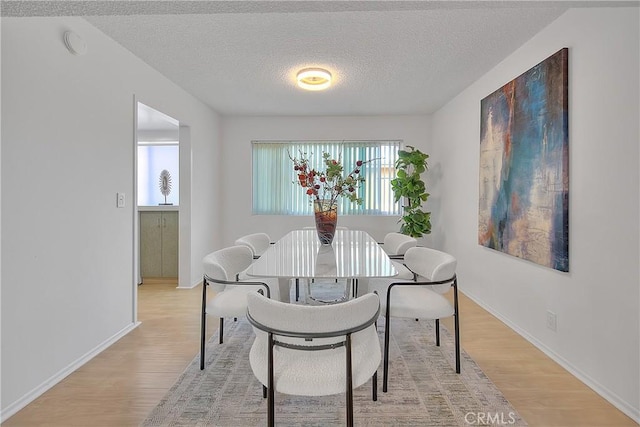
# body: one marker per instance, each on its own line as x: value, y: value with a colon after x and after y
x: 524, y: 166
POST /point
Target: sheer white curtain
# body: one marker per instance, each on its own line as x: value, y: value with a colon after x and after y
x: 274, y: 191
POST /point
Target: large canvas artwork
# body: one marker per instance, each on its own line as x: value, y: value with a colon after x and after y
x: 524, y: 166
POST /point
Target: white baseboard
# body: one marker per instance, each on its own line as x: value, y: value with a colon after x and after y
x: 604, y: 392
x: 62, y: 374
x: 193, y: 285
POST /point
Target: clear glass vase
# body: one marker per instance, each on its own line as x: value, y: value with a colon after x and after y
x: 326, y: 215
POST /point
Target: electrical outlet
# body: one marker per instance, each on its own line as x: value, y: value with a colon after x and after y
x: 552, y: 321
x: 120, y: 200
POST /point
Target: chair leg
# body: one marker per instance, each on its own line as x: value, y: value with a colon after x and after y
x: 349, y: 385
x: 456, y: 324
x: 202, y: 335
x: 374, y: 386
x: 385, y: 372
x: 297, y: 289
x: 457, y: 344
x: 438, y: 332
x: 221, y: 329
x: 264, y: 391
x: 203, y: 322
x: 271, y: 418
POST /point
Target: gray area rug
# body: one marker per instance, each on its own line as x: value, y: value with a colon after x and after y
x: 424, y: 389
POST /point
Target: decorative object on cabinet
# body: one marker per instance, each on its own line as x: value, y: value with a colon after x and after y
x: 524, y: 166
x: 165, y: 185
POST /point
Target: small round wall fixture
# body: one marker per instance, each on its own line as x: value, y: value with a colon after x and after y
x: 74, y: 43
x: 314, y: 78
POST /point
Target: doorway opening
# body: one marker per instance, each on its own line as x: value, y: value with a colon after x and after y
x: 157, y: 177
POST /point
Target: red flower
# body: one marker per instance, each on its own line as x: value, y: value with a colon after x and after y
x: 328, y: 184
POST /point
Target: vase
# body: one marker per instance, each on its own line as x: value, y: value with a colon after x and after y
x: 326, y: 215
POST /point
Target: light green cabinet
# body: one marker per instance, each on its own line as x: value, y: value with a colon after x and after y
x: 158, y: 244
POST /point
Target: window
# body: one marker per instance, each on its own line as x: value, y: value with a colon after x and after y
x: 274, y: 191
x: 152, y: 159
x: 158, y: 149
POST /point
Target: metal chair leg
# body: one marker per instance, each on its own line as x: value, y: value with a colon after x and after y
x: 457, y: 344
x: 349, y: 385
x: 456, y: 324
x: 385, y: 372
x: 203, y: 322
x: 221, y: 329
x: 297, y: 289
x: 271, y: 410
x: 438, y: 332
x: 374, y: 385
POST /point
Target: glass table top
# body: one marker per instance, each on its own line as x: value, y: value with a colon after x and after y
x: 299, y: 254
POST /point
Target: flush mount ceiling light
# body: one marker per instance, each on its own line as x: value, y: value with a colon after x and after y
x: 74, y: 43
x: 314, y: 78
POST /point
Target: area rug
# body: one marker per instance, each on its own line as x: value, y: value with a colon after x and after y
x: 424, y: 389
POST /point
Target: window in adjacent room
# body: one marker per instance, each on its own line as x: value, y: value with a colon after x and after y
x: 273, y: 176
x: 158, y: 150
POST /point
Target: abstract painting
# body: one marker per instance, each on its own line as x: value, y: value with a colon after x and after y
x: 524, y: 166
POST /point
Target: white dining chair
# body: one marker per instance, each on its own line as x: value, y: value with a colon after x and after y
x: 314, y: 350
x: 395, y: 245
x: 422, y: 298
x: 221, y: 272
x: 257, y: 242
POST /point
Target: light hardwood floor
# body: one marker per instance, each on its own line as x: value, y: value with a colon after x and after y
x: 122, y: 384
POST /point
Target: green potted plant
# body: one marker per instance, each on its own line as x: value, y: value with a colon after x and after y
x: 411, y: 189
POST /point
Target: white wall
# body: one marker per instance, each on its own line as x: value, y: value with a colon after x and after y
x: 238, y: 132
x: 597, y: 302
x: 67, y: 148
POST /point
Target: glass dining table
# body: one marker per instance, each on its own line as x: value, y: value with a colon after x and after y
x: 354, y: 254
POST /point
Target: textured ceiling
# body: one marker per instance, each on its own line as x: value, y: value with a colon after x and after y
x: 388, y: 57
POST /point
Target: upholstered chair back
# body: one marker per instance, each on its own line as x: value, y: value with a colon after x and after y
x: 431, y: 264
x: 225, y: 264
x: 257, y: 242
x: 321, y: 371
x: 398, y: 244
x: 313, y: 318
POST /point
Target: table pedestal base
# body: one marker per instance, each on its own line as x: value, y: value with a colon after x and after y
x: 327, y: 291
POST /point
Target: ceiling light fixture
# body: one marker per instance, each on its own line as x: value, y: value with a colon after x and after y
x: 314, y: 78
x: 74, y: 43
